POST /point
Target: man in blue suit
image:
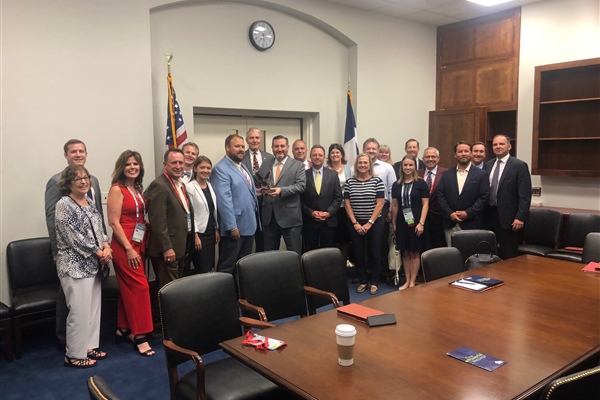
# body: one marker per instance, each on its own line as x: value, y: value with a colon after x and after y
x: 463, y: 193
x: 237, y: 204
x: 510, y: 196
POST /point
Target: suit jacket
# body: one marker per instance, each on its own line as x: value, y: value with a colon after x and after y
x: 328, y: 200
x: 514, y: 191
x: 53, y: 195
x: 236, y: 199
x: 473, y: 199
x: 434, y: 206
x: 398, y: 166
x: 200, y: 205
x: 286, y: 208
x: 168, y: 219
x: 247, y: 160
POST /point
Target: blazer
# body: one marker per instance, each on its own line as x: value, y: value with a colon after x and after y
x: 434, y: 206
x: 200, y: 205
x: 514, y: 191
x: 247, y: 160
x: 168, y: 219
x: 286, y: 208
x: 52, y: 195
x: 328, y: 200
x: 236, y: 199
x: 473, y: 199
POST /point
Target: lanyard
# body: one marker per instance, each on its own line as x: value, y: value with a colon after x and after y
x: 177, y: 191
x: 406, y: 190
x: 137, y: 209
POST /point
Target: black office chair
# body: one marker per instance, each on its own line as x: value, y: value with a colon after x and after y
x: 271, y: 286
x: 6, y: 324
x: 576, y: 229
x: 467, y: 241
x: 99, y: 389
x: 33, y: 282
x: 198, y: 312
x: 583, y: 385
x: 325, y: 269
x: 542, y: 232
x: 441, y: 262
x: 591, y: 248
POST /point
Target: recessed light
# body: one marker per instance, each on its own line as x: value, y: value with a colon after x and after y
x: 489, y: 3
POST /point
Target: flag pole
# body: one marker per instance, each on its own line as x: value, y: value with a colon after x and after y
x: 169, y: 57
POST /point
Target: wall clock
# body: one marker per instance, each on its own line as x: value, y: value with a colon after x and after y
x: 262, y: 35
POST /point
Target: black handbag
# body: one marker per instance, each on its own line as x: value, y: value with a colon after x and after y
x: 481, y: 259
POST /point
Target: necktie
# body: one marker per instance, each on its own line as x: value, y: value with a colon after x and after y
x: 428, y: 181
x: 318, y: 182
x: 494, y: 186
x: 254, y: 163
x: 277, y: 172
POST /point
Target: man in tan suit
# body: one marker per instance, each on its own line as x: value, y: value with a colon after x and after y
x: 171, y: 219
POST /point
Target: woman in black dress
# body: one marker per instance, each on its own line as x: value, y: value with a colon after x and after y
x: 409, y: 209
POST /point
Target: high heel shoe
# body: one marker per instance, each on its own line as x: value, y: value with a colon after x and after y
x: 142, y: 340
x: 123, y: 336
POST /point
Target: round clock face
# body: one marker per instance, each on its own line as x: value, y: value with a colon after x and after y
x: 262, y: 35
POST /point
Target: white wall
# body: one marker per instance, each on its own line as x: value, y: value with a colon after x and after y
x: 553, y: 32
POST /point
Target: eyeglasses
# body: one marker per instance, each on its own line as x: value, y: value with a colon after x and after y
x: 80, y: 179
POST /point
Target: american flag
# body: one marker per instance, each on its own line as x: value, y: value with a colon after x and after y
x: 350, y: 137
x: 174, y: 119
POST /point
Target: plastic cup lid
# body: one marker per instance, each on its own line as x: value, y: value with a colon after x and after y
x: 345, y: 330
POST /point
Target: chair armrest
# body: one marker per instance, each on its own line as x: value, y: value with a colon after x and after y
x: 254, y: 323
x: 311, y: 291
x: 171, y: 349
x: 244, y: 305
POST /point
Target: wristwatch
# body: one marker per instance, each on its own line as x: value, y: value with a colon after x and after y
x: 371, y: 222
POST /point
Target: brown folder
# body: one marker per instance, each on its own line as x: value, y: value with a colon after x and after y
x: 358, y: 312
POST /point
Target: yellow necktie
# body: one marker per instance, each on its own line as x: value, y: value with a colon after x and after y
x: 318, y: 182
x: 277, y: 172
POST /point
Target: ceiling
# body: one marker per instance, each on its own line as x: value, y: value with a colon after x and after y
x: 431, y: 12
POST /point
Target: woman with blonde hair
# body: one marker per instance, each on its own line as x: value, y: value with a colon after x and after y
x: 385, y: 154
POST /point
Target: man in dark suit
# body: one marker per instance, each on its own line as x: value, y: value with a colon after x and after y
x: 432, y: 173
x: 171, y: 219
x: 411, y: 147
x: 237, y: 205
x: 282, y: 211
x: 463, y: 193
x: 253, y: 160
x: 478, y: 155
x: 510, y: 196
x: 320, y: 202
x: 75, y: 152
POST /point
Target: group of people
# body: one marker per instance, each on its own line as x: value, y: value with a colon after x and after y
x: 254, y: 198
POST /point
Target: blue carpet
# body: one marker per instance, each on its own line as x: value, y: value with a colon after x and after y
x: 39, y: 373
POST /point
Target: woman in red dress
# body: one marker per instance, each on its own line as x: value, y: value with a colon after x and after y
x: 126, y: 216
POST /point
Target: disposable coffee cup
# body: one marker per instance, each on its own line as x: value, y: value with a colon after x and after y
x: 345, y: 335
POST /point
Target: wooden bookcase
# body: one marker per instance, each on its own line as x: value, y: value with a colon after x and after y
x: 566, y: 119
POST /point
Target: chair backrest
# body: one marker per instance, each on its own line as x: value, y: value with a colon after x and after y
x: 325, y: 269
x: 591, y: 248
x: 578, y: 226
x: 441, y: 262
x: 30, y: 263
x: 543, y: 227
x: 466, y: 241
x: 200, y: 311
x: 583, y: 385
x: 99, y: 389
x: 273, y: 280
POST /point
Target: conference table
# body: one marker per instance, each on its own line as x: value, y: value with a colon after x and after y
x: 543, y: 322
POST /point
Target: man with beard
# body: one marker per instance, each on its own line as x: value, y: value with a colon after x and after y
x: 237, y: 204
x: 463, y: 193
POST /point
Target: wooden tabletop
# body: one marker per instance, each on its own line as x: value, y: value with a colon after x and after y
x: 544, y: 320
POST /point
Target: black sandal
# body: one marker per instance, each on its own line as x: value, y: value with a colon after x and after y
x: 96, y: 354
x: 142, y: 340
x: 79, y: 363
x: 123, y: 336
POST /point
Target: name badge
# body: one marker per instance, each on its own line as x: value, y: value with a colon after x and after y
x: 408, y: 216
x: 138, y: 233
x: 188, y: 218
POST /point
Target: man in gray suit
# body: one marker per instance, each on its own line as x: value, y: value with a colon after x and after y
x: 237, y: 205
x: 75, y: 153
x: 253, y: 160
x: 282, y: 211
